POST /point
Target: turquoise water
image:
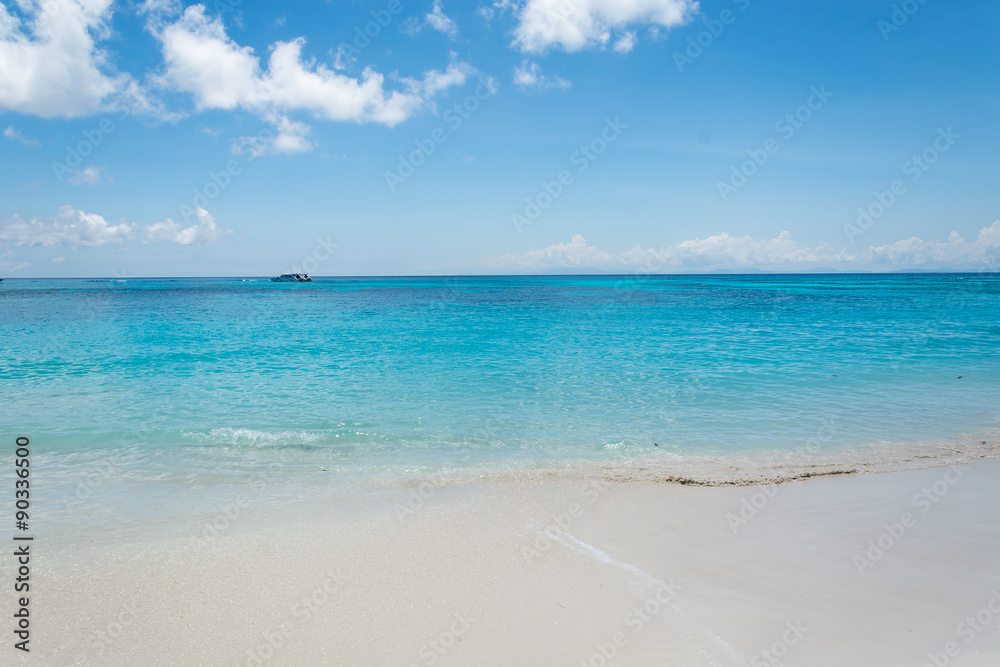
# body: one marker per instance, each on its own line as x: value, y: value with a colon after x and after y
x: 208, y: 382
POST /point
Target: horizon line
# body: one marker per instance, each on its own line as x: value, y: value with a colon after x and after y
x: 522, y: 275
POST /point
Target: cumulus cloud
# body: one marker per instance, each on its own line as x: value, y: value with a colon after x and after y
x: 72, y: 227
x: 573, y: 25
x: 723, y: 251
x: 202, y: 60
x: 625, y: 42
x: 437, y: 20
x: 160, y: 7
x: 14, y: 135
x: 290, y: 137
x: 50, y: 64
x: 560, y: 255
x: 88, y: 176
x: 985, y: 250
x: 498, y: 7
x: 529, y: 75
x: 205, y: 231
x: 719, y: 251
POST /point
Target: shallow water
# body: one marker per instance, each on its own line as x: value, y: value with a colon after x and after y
x: 141, y: 389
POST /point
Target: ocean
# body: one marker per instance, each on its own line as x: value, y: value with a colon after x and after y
x: 149, y: 399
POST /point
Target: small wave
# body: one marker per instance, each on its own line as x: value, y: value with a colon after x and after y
x: 242, y: 437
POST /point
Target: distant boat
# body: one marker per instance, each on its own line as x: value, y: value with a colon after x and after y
x: 292, y: 278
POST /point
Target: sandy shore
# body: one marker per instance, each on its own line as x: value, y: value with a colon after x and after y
x: 874, y: 569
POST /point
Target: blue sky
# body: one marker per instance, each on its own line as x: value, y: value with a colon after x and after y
x: 245, y: 138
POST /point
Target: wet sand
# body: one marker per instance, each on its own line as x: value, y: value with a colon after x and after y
x: 871, y: 569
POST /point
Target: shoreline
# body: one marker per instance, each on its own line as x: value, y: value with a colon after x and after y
x: 553, y: 572
x: 127, y: 494
x: 760, y: 468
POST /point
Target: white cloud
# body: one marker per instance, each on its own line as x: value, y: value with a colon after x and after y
x: 14, y: 135
x: 723, y: 251
x: 205, y: 231
x: 50, y: 65
x: 88, y: 176
x: 498, y: 7
x: 625, y: 42
x: 573, y: 25
x: 160, y: 7
x: 956, y: 250
x: 437, y: 20
x: 529, y: 75
x: 290, y: 139
x: 202, y: 60
x: 12, y: 267
x: 135, y: 99
x: 72, y: 227
x: 560, y: 255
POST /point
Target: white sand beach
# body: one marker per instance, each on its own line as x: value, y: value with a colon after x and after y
x: 869, y: 569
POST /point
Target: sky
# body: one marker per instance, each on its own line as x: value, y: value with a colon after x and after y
x: 412, y: 137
